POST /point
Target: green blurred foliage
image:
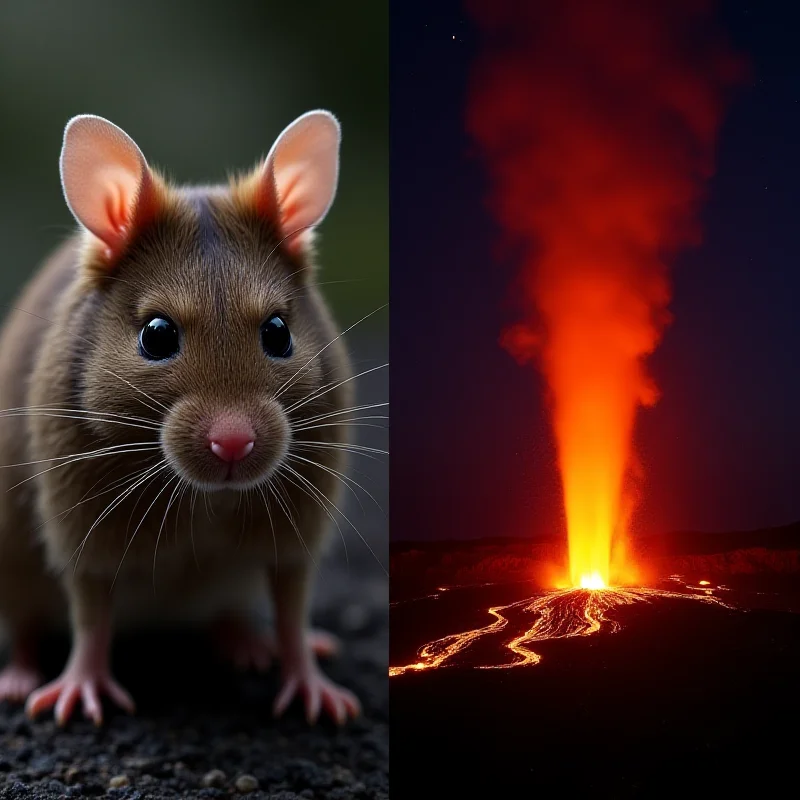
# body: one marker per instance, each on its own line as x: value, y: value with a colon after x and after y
x: 204, y: 88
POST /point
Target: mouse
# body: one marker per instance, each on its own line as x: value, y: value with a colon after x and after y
x: 176, y: 394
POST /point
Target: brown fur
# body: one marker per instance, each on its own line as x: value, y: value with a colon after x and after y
x: 215, y: 266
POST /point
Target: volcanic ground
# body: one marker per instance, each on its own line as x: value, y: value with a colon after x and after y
x: 686, y: 698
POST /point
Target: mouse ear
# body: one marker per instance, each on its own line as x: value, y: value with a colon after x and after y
x: 298, y: 180
x: 107, y: 184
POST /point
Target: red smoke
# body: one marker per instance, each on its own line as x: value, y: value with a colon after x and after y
x: 597, y: 122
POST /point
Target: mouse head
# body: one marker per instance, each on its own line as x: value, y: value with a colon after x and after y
x: 196, y: 311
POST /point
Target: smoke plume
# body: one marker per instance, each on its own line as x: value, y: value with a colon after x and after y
x: 597, y: 122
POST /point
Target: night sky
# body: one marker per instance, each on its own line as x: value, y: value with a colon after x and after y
x: 472, y: 454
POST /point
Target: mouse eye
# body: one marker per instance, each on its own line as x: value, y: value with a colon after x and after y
x: 158, y: 339
x: 276, y: 338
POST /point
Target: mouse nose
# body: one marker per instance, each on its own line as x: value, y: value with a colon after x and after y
x: 231, y: 440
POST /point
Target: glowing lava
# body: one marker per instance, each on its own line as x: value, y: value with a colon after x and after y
x: 594, y: 580
x: 558, y: 614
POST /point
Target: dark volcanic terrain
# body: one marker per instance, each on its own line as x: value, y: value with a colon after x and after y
x: 196, y: 716
x: 687, y: 699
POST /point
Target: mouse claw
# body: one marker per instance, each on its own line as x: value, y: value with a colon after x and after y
x: 319, y: 693
x: 65, y: 691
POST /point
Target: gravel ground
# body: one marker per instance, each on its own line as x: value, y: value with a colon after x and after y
x: 203, y: 730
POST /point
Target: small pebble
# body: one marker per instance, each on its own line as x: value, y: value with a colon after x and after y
x: 71, y: 774
x: 246, y: 783
x: 119, y: 782
x: 216, y: 777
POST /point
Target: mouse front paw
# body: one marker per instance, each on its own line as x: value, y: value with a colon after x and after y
x: 78, y: 684
x: 318, y: 693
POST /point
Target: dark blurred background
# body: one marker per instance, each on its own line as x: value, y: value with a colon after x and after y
x: 204, y: 88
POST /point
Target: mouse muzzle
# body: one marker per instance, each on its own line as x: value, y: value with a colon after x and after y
x: 227, y: 448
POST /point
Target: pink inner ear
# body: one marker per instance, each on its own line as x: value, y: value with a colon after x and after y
x: 121, y: 198
x: 105, y: 179
x: 291, y: 202
x: 301, y: 174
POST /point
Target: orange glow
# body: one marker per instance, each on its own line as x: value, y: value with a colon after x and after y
x: 704, y: 583
x: 593, y: 580
x: 597, y: 163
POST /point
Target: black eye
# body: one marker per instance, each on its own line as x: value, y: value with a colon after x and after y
x: 159, y: 339
x: 275, y: 338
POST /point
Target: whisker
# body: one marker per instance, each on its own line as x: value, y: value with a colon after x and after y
x: 291, y: 380
x: 81, y: 419
x: 328, y: 388
x: 191, y: 528
x: 343, y: 424
x: 136, y: 505
x: 335, y: 473
x: 271, y: 525
x: 358, y: 449
x: 76, y: 410
x: 115, y: 485
x: 128, y: 546
x: 83, y: 458
x: 339, y: 412
x: 288, y: 236
x: 205, y: 502
x: 308, y: 286
x: 163, y: 522
x: 325, y: 509
x: 99, y: 451
x: 344, y: 516
x: 285, y: 508
x: 157, y: 467
x: 345, y: 479
x: 88, y: 341
x: 137, y: 389
x: 178, y: 509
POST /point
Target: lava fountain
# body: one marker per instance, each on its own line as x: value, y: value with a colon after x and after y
x: 597, y: 124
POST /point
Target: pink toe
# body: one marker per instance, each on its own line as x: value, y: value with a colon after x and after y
x: 42, y: 699
x: 285, y: 696
x: 120, y: 697
x: 66, y: 703
x: 352, y: 704
x: 91, y: 703
x: 334, y: 705
x: 313, y: 701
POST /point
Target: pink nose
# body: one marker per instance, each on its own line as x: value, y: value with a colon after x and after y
x: 231, y: 441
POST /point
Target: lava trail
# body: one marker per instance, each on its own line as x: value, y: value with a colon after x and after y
x: 558, y: 614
